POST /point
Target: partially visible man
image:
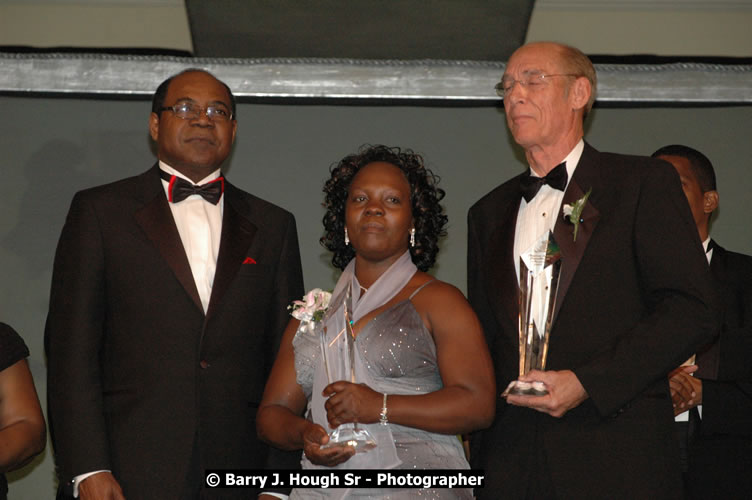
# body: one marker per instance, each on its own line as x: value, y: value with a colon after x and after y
x: 168, y: 302
x: 719, y: 441
x: 634, y: 299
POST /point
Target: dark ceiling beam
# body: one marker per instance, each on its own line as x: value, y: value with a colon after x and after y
x: 479, y: 30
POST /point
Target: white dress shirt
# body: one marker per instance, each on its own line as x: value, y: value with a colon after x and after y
x: 199, y: 224
x: 708, y: 253
x: 538, y: 217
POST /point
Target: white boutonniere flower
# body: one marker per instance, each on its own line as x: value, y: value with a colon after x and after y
x: 573, y: 213
x: 312, y: 307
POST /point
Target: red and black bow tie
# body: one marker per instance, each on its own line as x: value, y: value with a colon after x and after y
x: 180, y: 189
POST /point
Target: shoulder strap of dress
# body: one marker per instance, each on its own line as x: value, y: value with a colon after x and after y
x: 420, y: 288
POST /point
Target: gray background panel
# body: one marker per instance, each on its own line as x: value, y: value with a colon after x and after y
x: 52, y: 147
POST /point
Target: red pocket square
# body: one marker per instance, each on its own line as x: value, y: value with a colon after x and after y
x: 249, y: 260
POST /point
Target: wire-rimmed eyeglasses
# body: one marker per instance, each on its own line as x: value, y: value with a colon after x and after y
x: 531, y: 81
x: 190, y: 111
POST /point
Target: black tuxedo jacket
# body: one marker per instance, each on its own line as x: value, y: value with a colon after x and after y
x: 140, y: 380
x: 720, y: 456
x: 634, y: 302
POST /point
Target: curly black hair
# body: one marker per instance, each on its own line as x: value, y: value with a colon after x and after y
x: 428, y: 214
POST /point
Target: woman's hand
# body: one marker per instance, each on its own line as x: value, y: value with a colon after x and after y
x: 349, y: 402
x: 314, y: 436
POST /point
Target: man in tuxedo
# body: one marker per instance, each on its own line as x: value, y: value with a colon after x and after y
x: 168, y: 302
x: 634, y: 298
x: 715, y: 393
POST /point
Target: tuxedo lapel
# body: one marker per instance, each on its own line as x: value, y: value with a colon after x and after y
x: 585, y: 178
x: 718, y: 264
x: 237, y: 236
x: 159, y: 226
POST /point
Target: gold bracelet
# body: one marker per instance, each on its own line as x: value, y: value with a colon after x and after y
x: 382, y: 416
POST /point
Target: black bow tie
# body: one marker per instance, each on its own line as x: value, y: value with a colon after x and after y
x: 180, y: 189
x: 556, y: 178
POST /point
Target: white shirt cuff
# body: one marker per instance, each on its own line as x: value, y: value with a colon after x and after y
x: 77, y: 480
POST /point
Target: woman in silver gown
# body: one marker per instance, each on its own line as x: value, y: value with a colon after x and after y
x: 422, y: 367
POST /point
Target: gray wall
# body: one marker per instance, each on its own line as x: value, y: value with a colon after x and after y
x: 50, y: 148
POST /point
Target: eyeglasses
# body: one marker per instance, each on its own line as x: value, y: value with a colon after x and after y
x: 531, y: 81
x: 189, y: 111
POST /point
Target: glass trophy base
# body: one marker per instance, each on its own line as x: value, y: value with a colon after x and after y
x: 360, y: 439
x: 519, y: 388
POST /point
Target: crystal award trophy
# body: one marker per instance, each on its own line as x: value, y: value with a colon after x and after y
x: 339, y: 364
x: 539, y: 281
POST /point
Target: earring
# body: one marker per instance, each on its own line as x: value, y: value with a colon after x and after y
x: 412, y: 237
x: 347, y: 238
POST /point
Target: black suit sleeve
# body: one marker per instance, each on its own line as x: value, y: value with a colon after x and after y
x: 680, y: 306
x: 289, y: 283
x: 478, y: 298
x: 289, y: 287
x: 727, y: 400
x: 73, y: 338
x: 726, y: 407
x: 476, y: 275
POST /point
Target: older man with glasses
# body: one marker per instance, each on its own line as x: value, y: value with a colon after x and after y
x: 634, y: 299
x: 168, y: 302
